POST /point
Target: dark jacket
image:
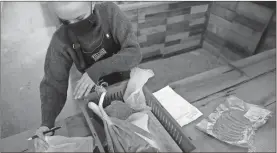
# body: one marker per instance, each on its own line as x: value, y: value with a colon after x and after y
x: 53, y: 87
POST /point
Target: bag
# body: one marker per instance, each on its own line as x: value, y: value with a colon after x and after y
x: 121, y: 135
x: 74, y: 144
x: 235, y: 122
x: 133, y: 95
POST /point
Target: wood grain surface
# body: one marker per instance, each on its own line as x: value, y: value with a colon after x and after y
x: 207, y: 90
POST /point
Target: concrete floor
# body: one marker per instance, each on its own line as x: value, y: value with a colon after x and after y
x: 24, y: 39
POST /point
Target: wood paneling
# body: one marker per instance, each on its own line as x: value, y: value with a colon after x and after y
x: 237, y: 26
x: 166, y: 28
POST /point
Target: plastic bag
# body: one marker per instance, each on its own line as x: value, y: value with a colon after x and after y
x: 122, y: 136
x: 74, y: 144
x: 133, y: 95
x: 235, y: 122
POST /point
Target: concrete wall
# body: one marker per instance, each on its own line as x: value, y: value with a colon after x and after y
x: 26, y: 30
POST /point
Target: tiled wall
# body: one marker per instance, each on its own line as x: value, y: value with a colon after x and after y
x: 237, y: 26
x: 169, y: 28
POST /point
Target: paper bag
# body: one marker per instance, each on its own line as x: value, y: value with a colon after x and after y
x: 133, y: 95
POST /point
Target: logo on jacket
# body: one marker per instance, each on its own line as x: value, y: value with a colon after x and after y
x: 99, y: 55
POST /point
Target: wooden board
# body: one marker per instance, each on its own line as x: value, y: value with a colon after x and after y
x: 225, y: 76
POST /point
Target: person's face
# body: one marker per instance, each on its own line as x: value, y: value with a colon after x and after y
x: 72, y: 12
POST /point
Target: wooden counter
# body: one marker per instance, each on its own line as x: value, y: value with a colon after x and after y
x: 207, y: 90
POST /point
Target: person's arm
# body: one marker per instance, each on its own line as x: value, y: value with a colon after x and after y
x: 129, y: 56
x: 53, y: 87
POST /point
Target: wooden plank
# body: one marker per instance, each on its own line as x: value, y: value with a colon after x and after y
x: 263, y: 86
x: 173, y: 42
x: 264, y: 31
x: 222, y: 51
x: 175, y: 28
x: 180, y: 35
x: 255, y: 25
x: 178, y: 47
x: 186, y: 50
x: 199, y: 9
x: 152, y: 48
x: 216, y: 20
x: 191, y: 17
x: 222, y: 12
x: 223, y: 69
x: 247, y: 32
x: 249, y: 9
x: 156, y: 38
x: 154, y: 9
x: 177, y: 12
x: 219, y: 31
x: 231, y: 5
x: 153, y: 30
x: 224, y: 80
x: 142, y: 5
x: 175, y: 19
x: 155, y: 53
x: 212, y: 37
x: 152, y: 23
x: 197, y: 21
x: 153, y: 16
x: 238, y: 40
x: 185, y: 17
x: 186, y: 4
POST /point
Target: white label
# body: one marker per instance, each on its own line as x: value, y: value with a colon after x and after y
x: 255, y: 113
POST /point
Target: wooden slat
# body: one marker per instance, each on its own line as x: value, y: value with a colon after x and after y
x: 153, y: 16
x: 219, y: 51
x: 255, y: 25
x: 224, y: 79
x: 219, y: 31
x: 180, y: 35
x: 147, y: 51
x: 249, y: 9
x: 222, y: 12
x: 238, y: 40
x: 156, y: 38
x: 186, y: 4
x: 215, y: 39
x: 185, y: 17
x: 153, y: 30
x: 247, y: 32
x: 191, y: 41
x: 199, y: 9
x: 177, y: 12
x: 216, y: 20
x: 197, y: 21
x: 231, y: 5
x: 154, y: 9
x: 152, y: 23
x: 142, y: 38
x: 176, y: 28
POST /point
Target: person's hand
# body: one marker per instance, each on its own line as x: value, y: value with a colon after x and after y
x: 40, y: 144
x: 84, y: 86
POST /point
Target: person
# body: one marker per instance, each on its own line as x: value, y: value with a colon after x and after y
x: 99, y: 40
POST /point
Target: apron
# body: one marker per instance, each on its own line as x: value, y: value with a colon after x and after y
x: 101, y: 50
